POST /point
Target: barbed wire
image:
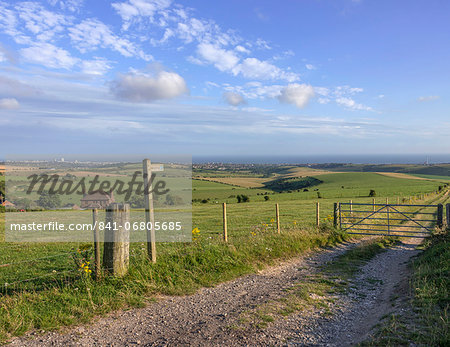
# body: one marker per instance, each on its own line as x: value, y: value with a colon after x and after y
x: 7, y: 284
x: 36, y: 259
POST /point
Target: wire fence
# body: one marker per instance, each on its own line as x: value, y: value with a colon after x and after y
x: 20, y: 272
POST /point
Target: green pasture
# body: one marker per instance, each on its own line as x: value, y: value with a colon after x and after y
x: 43, y: 286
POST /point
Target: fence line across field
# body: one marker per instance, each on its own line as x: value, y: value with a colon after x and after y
x: 36, y: 259
x: 238, y: 215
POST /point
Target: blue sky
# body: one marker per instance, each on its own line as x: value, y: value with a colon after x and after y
x: 229, y: 77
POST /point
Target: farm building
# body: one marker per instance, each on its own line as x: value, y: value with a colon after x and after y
x: 97, y: 199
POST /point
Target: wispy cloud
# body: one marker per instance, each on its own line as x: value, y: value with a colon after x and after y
x: 352, y: 104
x: 14, y: 88
x: 69, y: 5
x: 49, y: 55
x: 133, y: 10
x: 43, y: 24
x: 428, y: 98
x: 91, y: 34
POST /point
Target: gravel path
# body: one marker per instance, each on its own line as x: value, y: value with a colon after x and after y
x: 368, y: 300
x: 206, y: 318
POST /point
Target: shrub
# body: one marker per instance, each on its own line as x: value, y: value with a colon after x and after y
x: 372, y: 193
x: 242, y: 198
x: 49, y: 201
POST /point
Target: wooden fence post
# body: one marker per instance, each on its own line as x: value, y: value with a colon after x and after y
x: 398, y: 200
x: 387, y: 201
x: 335, y: 215
x: 447, y: 207
x: 317, y: 214
x: 149, y: 213
x: 373, y: 205
x: 97, y: 266
x: 277, y: 211
x: 351, y: 207
x: 225, y: 233
x: 440, y: 215
x: 116, y: 252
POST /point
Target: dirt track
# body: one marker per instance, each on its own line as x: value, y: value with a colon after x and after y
x: 207, y: 318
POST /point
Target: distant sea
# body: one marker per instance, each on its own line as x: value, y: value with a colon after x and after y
x: 250, y: 159
x: 321, y: 159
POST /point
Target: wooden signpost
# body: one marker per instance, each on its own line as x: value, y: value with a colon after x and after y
x: 97, y: 268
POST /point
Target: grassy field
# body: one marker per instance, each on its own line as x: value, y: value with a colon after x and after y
x: 433, y: 170
x: 61, y: 293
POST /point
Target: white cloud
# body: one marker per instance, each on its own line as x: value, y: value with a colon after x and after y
x: 254, y: 68
x: 284, y: 55
x: 146, y: 88
x: 92, y: 34
x: 234, y: 99
x: 222, y: 59
x: 322, y: 91
x: 9, y: 103
x: 49, y: 55
x: 428, y: 98
x: 43, y: 24
x: 9, y: 23
x: 310, y: 67
x: 251, y: 68
x: 297, y: 94
x: 133, y: 9
x: 99, y: 66
x: 70, y: 5
x: 262, y: 44
x: 346, y: 90
x: 351, y: 104
x: 241, y: 49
